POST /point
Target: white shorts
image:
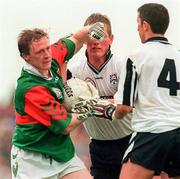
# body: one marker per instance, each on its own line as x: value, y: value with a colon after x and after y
x: 32, y: 165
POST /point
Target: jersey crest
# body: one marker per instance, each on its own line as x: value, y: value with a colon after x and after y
x: 57, y: 92
x: 113, y: 78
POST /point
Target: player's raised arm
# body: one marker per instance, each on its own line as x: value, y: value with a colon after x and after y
x: 94, y: 31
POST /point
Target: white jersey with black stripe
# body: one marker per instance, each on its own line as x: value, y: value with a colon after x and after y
x: 151, y: 83
x: 106, y: 81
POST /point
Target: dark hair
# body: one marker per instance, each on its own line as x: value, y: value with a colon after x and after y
x: 156, y: 15
x: 97, y: 17
x: 27, y: 36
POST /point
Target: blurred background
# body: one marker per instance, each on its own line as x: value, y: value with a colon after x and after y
x: 60, y: 18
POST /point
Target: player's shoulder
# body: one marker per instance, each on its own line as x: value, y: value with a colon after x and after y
x: 76, y: 67
x: 76, y: 64
x: 117, y: 60
x: 139, y: 52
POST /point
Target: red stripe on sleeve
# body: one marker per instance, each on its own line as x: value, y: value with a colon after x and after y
x: 59, y: 52
x: 42, y: 106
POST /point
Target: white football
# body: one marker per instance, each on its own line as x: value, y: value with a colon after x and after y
x: 75, y: 90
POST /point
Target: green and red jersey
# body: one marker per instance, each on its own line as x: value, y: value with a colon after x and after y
x: 40, y: 113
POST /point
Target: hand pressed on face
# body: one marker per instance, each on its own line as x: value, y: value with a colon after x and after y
x: 96, y: 31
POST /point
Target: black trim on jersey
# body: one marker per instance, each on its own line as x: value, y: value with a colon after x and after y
x: 107, y: 58
x: 135, y: 84
x: 163, y: 40
x: 127, y: 83
x: 69, y: 74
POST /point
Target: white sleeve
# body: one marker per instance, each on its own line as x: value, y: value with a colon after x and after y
x: 118, y: 94
x: 127, y: 84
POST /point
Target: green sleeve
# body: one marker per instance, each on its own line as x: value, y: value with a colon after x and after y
x: 58, y: 126
x: 71, y: 48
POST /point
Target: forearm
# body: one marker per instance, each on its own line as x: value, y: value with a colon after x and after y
x: 82, y: 110
x: 109, y: 111
x: 75, y: 122
x: 80, y: 37
x: 94, y: 31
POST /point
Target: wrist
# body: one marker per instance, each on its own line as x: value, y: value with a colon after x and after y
x: 113, y: 116
x: 83, y: 116
x: 110, y: 111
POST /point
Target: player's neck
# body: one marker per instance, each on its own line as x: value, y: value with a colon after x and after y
x: 45, y: 73
x: 96, y: 62
x: 151, y: 35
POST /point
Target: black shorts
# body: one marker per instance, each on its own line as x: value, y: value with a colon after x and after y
x: 158, y: 152
x: 106, y: 157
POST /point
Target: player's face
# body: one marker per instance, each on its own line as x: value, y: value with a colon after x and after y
x: 140, y: 29
x: 98, y: 49
x: 40, y: 55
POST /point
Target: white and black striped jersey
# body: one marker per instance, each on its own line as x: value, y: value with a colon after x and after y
x: 106, y: 81
x: 150, y: 80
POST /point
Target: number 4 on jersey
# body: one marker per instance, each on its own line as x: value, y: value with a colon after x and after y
x: 169, y: 68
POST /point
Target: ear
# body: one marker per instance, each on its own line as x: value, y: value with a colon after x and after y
x: 146, y: 26
x: 111, y: 38
x: 25, y: 57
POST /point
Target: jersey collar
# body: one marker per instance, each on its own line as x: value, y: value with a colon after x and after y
x: 107, y: 59
x: 158, y: 39
x: 32, y: 70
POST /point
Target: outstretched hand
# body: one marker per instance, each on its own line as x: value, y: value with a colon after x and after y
x: 104, y: 110
x: 84, y: 108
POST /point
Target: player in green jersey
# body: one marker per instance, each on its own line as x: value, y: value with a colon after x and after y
x: 42, y: 147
